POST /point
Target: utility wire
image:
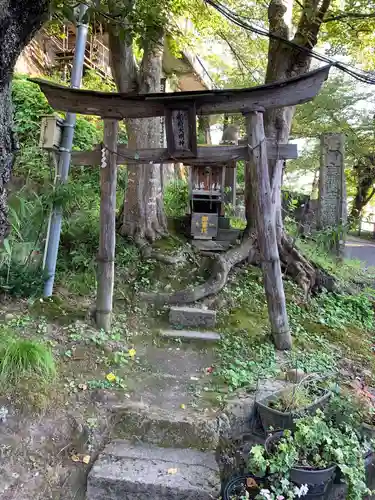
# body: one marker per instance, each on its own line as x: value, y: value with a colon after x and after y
x: 233, y: 17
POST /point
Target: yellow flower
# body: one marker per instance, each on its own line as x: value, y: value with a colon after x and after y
x: 111, y: 377
x: 132, y: 352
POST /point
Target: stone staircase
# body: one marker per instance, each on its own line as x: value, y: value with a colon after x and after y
x: 164, y: 445
x: 181, y: 317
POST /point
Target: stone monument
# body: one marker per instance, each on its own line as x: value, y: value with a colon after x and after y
x: 332, y: 206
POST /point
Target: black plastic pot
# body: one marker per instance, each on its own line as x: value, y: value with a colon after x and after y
x: 302, y: 475
x: 319, y: 492
x: 239, y: 485
x: 285, y: 420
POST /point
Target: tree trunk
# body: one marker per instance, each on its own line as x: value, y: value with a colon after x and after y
x: 204, y: 129
x: 365, y: 173
x: 285, y: 62
x: 142, y: 216
x: 18, y: 22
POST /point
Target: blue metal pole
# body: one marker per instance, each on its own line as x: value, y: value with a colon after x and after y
x: 52, y: 244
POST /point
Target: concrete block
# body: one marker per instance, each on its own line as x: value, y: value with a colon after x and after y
x: 127, y: 472
x: 191, y: 317
x: 191, y: 335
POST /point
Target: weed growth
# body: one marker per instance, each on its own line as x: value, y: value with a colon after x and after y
x: 23, y: 359
x: 176, y: 197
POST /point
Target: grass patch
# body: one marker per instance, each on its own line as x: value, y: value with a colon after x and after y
x: 23, y: 358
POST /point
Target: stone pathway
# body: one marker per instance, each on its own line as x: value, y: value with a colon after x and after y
x: 166, y: 434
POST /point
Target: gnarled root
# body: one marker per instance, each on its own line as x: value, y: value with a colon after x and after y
x: 223, y: 263
x: 311, y: 277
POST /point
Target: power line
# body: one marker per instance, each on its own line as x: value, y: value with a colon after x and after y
x: 233, y: 17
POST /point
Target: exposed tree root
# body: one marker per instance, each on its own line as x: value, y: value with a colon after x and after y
x: 147, y: 252
x: 222, y: 265
x: 309, y: 276
x: 296, y: 265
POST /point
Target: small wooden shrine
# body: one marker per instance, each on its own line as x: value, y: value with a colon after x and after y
x: 207, y: 166
x: 206, y: 200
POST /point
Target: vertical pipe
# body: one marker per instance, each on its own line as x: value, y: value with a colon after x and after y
x: 52, y: 244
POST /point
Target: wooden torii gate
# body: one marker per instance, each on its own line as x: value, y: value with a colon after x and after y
x: 180, y: 110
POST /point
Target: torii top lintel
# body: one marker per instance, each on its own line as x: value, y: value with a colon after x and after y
x: 289, y: 92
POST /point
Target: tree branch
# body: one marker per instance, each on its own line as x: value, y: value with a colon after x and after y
x: 309, y: 25
x: 368, y: 198
x: 349, y: 15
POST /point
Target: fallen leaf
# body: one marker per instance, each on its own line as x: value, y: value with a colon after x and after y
x: 86, y: 459
x: 251, y: 483
x: 172, y: 471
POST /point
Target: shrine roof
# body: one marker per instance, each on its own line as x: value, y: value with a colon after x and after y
x: 295, y: 90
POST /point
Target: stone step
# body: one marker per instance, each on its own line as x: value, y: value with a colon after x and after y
x: 140, y: 472
x: 170, y: 429
x: 211, y: 246
x: 191, y: 335
x: 192, y: 316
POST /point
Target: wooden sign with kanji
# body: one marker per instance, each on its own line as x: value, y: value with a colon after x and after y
x: 181, y: 128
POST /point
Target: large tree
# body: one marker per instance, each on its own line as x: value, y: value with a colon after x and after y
x: 142, y: 216
x: 19, y: 19
x: 145, y: 27
x: 347, y: 107
x: 301, y: 23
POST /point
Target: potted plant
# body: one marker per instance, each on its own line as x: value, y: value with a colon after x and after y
x: 349, y: 411
x: 280, y: 409
x: 353, y: 407
x: 308, y: 456
x: 243, y: 487
x: 250, y: 486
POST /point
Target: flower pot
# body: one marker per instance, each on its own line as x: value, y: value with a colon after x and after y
x: 310, y: 476
x: 276, y: 419
x: 302, y: 475
x: 238, y: 486
x: 319, y: 492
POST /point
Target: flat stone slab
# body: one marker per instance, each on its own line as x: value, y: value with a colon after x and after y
x: 127, y: 472
x: 211, y: 246
x: 192, y: 316
x: 191, y: 335
x: 164, y: 428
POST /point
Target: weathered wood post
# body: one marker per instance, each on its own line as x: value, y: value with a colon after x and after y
x: 332, y: 207
x: 107, y: 237
x: 266, y: 229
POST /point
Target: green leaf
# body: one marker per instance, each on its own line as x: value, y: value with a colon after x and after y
x: 7, y: 247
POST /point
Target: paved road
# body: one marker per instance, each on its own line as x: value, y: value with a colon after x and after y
x: 364, y: 250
